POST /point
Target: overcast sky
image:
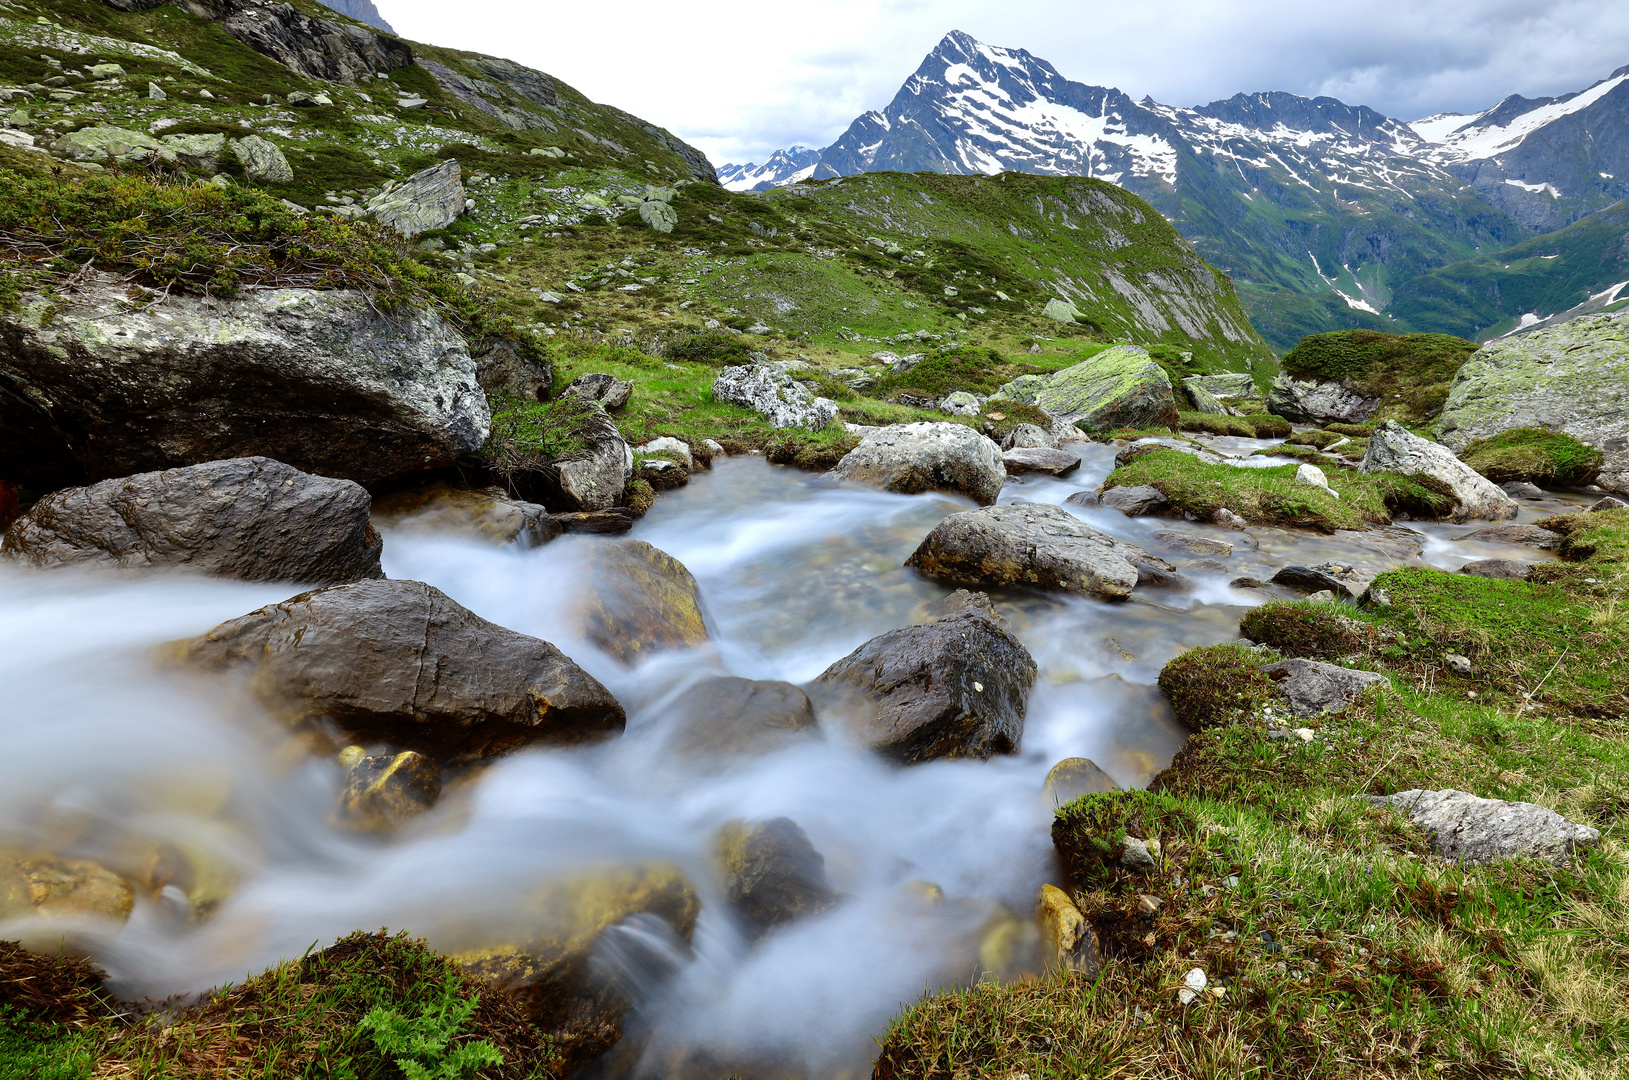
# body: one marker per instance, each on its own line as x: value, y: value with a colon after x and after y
x: 742, y: 79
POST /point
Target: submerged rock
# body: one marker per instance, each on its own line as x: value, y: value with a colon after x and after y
x: 728, y: 715
x: 913, y: 458
x: 1572, y: 378
x: 401, y: 662
x: 33, y: 883
x: 93, y: 388
x: 1029, y: 544
x: 1392, y: 448
x: 430, y: 199
x: 1135, y: 501
x: 488, y: 514
x: 1311, y: 687
x: 1120, y: 387
x: 1319, y: 403
x: 772, y: 874
x: 248, y: 518
x: 773, y: 394
x: 957, y: 687
x: 1073, y: 777
x: 384, y: 790
x: 1466, y: 828
x: 643, y: 602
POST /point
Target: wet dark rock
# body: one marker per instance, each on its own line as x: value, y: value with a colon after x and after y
x: 383, y: 791
x: 963, y: 600
x: 1308, y: 579
x: 772, y: 874
x: 1040, y: 459
x: 1311, y: 687
x: 643, y: 601
x: 1209, y: 566
x: 1246, y: 583
x: 953, y: 688
x: 1191, y: 544
x: 730, y: 715
x: 1509, y: 569
x: 608, y: 390
x: 1135, y: 501
x: 249, y: 518
x: 1469, y: 829
x: 1073, y: 777
x: 401, y: 662
x: 92, y: 387
x: 488, y: 514
x: 1394, y: 541
x: 1031, y: 544
x: 1318, y: 403
x: 612, y: 522
x: 1526, y: 535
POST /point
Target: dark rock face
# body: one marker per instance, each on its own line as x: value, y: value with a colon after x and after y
x: 730, y: 715
x: 501, y: 369
x: 1135, y: 501
x: 953, y: 688
x: 318, y: 379
x: 401, y: 662
x: 249, y: 518
x: 362, y: 11
x: 1040, y: 459
x: 1306, y: 579
x: 772, y: 874
x: 316, y: 48
x: 612, y: 522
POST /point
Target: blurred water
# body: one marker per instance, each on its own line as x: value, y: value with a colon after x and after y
x: 107, y: 754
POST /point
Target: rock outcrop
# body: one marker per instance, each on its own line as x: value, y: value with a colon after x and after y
x: 1392, y: 448
x: 772, y: 874
x: 432, y: 198
x: 642, y: 601
x: 249, y: 518
x: 774, y: 395
x: 1032, y: 544
x: 953, y: 688
x: 488, y: 514
x: 401, y: 662
x: 913, y: 458
x: 93, y: 388
x: 1466, y: 828
x: 1319, y: 402
x: 1572, y: 378
x: 1120, y: 387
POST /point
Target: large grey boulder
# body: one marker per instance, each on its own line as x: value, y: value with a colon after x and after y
x: 957, y: 687
x: 1226, y: 386
x: 248, y: 518
x: 92, y: 387
x: 1572, y: 378
x: 1032, y: 544
x: 430, y: 199
x: 1467, y: 828
x: 401, y: 662
x: 1120, y: 387
x: 1319, y: 402
x: 262, y: 160
x: 774, y: 394
x: 1311, y: 687
x: 200, y: 152
x: 103, y: 144
x: 913, y: 458
x: 1392, y: 448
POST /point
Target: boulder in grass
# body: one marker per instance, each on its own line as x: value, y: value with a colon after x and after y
x: 1466, y: 828
x: 1311, y: 687
x: 1507, y: 569
x: 1395, y: 449
x: 1120, y: 387
x: 432, y: 198
x: 774, y: 395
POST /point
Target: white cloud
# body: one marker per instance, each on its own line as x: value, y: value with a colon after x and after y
x: 742, y: 79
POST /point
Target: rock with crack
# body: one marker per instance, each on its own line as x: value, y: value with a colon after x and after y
x: 1039, y: 459
x: 383, y: 791
x: 93, y: 388
x: 608, y: 390
x: 432, y: 198
x: 1227, y: 386
x: 772, y: 874
x: 913, y: 458
x: 1311, y: 687
x: 248, y: 518
x: 489, y: 514
x: 1032, y: 544
x: 954, y: 688
x: 1203, y: 400
x: 642, y: 601
x: 1469, y: 829
x: 401, y: 662
x: 1394, y: 449
x: 774, y: 395
x: 1318, y: 403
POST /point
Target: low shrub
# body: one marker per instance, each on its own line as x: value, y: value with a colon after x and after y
x: 709, y: 347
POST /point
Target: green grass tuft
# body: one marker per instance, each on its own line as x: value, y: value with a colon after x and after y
x: 1535, y: 455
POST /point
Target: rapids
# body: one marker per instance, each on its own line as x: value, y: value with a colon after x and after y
x: 105, y: 753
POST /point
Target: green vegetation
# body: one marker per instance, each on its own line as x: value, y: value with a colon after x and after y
x: 1252, y: 426
x: 35, y: 1051
x: 1271, y: 496
x: 424, y: 1047
x: 1314, y: 631
x: 1536, y: 455
x: 1409, y: 373
x: 1215, y: 685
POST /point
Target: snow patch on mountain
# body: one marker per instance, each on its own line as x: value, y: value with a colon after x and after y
x: 782, y: 167
x: 1481, y: 136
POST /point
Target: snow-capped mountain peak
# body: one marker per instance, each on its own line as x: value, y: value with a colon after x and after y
x: 781, y: 168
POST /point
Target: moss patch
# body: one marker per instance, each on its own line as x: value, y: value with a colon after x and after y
x: 1535, y: 455
x: 1215, y: 685
x: 1304, y: 629
x: 1409, y: 373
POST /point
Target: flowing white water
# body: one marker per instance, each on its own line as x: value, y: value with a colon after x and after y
x: 106, y: 754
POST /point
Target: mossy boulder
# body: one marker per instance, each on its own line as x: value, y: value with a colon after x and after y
x: 1312, y: 631
x: 1538, y: 456
x: 1122, y: 387
x: 1215, y: 685
x: 1090, y: 833
x: 1571, y: 379
x: 1353, y: 376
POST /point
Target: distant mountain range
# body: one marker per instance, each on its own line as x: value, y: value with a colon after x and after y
x: 1327, y: 215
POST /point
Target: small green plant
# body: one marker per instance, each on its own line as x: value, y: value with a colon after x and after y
x: 422, y: 1046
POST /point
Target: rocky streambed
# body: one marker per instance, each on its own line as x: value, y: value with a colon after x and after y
x: 752, y: 873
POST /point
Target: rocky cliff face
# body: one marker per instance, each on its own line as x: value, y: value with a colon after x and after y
x: 362, y: 11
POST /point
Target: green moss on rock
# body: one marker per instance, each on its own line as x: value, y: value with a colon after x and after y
x: 1535, y: 455
x: 1215, y: 686
x: 1305, y: 629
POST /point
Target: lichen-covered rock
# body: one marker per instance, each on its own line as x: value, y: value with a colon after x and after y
x: 382, y: 791
x: 913, y: 458
x: 960, y: 403
x: 726, y: 715
x: 1120, y: 387
x: 608, y: 390
x: 488, y: 514
x: 774, y: 395
x: 1073, y: 777
x: 957, y: 687
x: 1319, y: 402
x: 103, y: 144
x: 1393, y: 448
x: 1466, y: 828
x: 1040, y: 459
x: 403, y: 663
x: 249, y: 518
x: 1032, y: 544
x: 1312, y: 687
x: 262, y: 161
x: 1060, y: 311
x: 1226, y: 386
x: 1203, y: 400
x: 432, y: 198
x: 200, y: 152
x: 643, y: 601
x: 1572, y: 378
x: 92, y: 388
x: 772, y: 874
